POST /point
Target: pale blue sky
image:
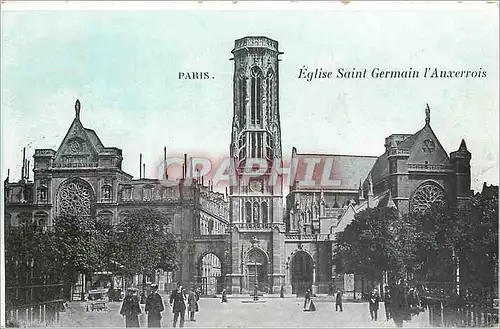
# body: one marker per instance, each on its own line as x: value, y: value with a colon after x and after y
x: 123, y: 66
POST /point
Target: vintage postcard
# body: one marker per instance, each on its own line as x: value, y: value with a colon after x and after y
x: 249, y: 164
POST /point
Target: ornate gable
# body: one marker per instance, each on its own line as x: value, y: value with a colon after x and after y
x: 77, y: 146
x: 424, y: 146
x: 427, y: 148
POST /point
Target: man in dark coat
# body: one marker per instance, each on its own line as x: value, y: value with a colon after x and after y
x: 374, y: 303
x: 131, y: 309
x: 178, y: 302
x: 154, y: 307
x: 338, y: 301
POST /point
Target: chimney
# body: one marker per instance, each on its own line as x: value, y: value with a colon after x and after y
x: 202, y: 182
x: 24, y: 163
x: 143, y: 170
x: 165, y: 175
x: 28, y: 171
x: 140, y: 165
x: 185, y: 166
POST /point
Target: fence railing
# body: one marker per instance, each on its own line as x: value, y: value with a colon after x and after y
x: 443, y: 313
x: 35, y: 305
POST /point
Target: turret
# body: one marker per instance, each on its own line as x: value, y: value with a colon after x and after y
x: 460, y: 161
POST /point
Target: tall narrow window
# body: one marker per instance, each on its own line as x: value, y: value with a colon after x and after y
x: 253, y: 144
x: 255, y: 98
x: 264, y: 213
x: 243, y: 96
x: 259, y: 145
x: 248, y: 212
x: 269, y: 93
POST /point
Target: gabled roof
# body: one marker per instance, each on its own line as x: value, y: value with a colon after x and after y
x: 380, y: 169
x: 345, y: 170
x: 96, y: 142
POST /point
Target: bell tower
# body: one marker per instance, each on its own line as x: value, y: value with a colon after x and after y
x: 256, y: 192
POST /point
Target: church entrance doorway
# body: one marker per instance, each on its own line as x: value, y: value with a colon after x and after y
x: 256, y: 271
x: 301, y: 269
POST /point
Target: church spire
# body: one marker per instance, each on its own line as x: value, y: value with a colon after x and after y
x: 427, y: 115
x: 77, y: 109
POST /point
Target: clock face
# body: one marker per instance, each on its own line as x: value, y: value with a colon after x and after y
x: 428, y: 146
x: 255, y: 186
x: 76, y: 146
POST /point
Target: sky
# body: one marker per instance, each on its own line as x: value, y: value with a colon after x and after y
x: 123, y: 66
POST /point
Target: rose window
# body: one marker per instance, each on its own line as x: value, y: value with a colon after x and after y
x: 425, y: 196
x: 75, y: 198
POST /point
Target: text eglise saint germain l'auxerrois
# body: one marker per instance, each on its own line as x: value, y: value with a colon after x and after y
x: 379, y: 73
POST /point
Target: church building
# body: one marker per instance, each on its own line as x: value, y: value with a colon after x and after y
x: 244, y: 238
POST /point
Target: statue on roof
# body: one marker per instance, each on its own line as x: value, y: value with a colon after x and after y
x: 427, y: 114
x: 77, y: 109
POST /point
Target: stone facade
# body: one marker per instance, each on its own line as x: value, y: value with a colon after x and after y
x: 251, y: 237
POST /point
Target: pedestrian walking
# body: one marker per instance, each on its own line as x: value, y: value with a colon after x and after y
x: 131, y: 308
x: 154, y: 307
x: 399, y: 304
x: 224, y: 296
x: 192, y: 304
x: 387, y: 303
x: 338, y: 301
x: 374, y: 303
x: 282, y: 292
x: 178, y: 302
x: 308, y: 303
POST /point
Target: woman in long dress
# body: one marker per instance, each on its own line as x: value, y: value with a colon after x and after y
x: 308, y: 303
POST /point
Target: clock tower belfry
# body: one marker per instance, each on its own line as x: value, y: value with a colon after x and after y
x: 256, y: 192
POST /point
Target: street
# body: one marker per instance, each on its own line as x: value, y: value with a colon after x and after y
x: 274, y: 312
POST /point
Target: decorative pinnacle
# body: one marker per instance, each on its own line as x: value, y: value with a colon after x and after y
x: 77, y: 109
x: 427, y: 114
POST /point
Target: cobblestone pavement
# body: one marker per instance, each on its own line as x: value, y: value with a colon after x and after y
x: 274, y: 312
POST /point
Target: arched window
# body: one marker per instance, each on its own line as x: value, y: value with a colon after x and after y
x: 210, y: 226
x: 248, y: 212
x: 425, y: 196
x: 106, y: 193
x: 41, y: 219
x: 269, y: 93
x: 265, y: 213
x: 255, y: 96
x: 75, y: 197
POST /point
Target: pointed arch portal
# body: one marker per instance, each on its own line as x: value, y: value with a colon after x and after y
x: 302, y: 271
x: 256, y: 270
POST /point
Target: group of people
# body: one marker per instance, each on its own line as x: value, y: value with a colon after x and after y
x: 180, y: 301
x: 400, y: 300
